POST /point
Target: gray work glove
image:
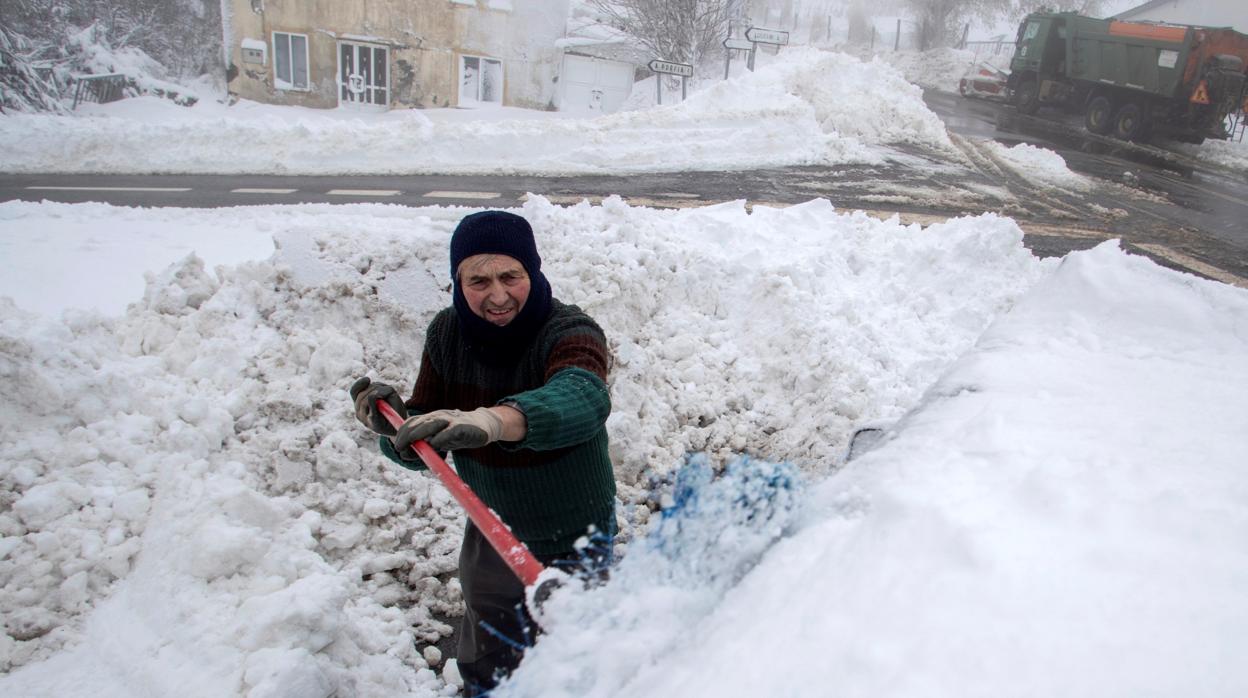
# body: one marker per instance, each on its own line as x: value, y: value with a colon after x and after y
x: 449, y: 430
x: 366, y: 394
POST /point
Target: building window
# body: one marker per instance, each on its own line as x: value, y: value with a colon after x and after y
x: 480, y: 81
x: 290, y: 61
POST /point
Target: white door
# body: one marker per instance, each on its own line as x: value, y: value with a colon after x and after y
x: 363, y: 76
x: 594, y: 85
x: 480, y: 81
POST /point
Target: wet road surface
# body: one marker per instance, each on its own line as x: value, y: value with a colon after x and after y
x: 1157, y: 199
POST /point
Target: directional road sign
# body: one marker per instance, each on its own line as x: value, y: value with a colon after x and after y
x: 767, y: 36
x: 681, y: 69
x: 739, y: 44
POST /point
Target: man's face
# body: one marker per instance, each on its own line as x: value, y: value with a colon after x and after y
x: 495, y: 286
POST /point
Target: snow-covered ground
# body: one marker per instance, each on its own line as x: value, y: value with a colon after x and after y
x: 193, y: 510
x: 804, y: 109
x: 188, y: 507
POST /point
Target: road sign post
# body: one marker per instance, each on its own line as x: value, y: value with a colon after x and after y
x: 661, y: 68
x: 732, y: 45
x: 756, y: 36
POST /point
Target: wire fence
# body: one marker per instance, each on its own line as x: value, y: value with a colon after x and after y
x: 998, y: 51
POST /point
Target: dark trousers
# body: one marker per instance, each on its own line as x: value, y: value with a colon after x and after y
x: 497, y: 627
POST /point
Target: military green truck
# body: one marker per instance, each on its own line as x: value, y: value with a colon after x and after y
x: 1131, y: 79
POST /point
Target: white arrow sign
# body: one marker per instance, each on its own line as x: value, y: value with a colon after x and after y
x: 739, y: 44
x: 767, y: 36
x: 670, y: 68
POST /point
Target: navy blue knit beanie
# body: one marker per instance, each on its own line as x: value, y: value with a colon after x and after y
x: 499, y: 232
x: 495, y: 232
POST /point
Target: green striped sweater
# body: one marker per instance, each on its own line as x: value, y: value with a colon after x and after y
x: 557, y: 482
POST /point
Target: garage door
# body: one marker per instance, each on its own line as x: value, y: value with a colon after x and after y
x: 594, y: 85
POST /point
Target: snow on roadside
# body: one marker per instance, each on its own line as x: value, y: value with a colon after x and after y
x: 1232, y: 154
x: 936, y: 69
x: 1063, y: 514
x: 193, y: 467
x: 1038, y: 164
x: 804, y: 108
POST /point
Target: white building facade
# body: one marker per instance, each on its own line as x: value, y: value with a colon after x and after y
x: 1205, y: 13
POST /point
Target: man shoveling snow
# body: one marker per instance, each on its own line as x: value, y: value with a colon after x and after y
x: 513, y: 382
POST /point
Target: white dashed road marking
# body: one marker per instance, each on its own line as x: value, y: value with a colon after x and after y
x: 462, y: 195
x: 112, y: 188
x: 263, y: 191
x: 363, y: 192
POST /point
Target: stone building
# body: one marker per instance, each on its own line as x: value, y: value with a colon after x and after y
x: 382, y: 54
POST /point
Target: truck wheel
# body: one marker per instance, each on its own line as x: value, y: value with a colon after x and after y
x: 1098, y: 117
x: 1130, y: 123
x: 1027, y: 96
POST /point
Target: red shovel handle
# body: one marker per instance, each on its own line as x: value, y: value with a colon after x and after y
x: 514, y: 553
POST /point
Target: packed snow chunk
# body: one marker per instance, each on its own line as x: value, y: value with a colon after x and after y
x: 336, y: 358
x: 376, y: 508
x: 337, y: 457
x: 306, y: 614
x: 45, y: 503
x: 132, y: 505
x: 252, y: 508
x: 340, y: 536
x: 179, y: 289
x: 220, y: 548
x: 451, y: 675
x: 73, y: 591
x: 293, y: 673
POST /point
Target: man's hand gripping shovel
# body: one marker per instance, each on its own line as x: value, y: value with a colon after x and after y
x: 539, y: 582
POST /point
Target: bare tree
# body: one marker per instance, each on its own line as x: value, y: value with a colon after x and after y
x: 940, y: 22
x: 682, y: 31
x: 1084, y: 7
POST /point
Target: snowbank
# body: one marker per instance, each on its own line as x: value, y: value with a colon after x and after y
x: 1064, y: 514
x: 1040, y: 165
x: 935, y: 69
x: 189, y: 490
x: 803, y: 108
x: 1232, y: 154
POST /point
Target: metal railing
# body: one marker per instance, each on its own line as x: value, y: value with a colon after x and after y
x: 99, y: 88
x: 984, y: 49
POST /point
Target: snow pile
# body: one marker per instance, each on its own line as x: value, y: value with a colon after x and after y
x: 935, y: 69
x: 102, y: 268
x: 1232, y: 154
x: 1038, y: 165
x: 840, y: 89
x: 186, y: 487
x: 803, y: 108
x: 1064, y: 514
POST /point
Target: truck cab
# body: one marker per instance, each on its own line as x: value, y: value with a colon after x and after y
x: 1039, y: 56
